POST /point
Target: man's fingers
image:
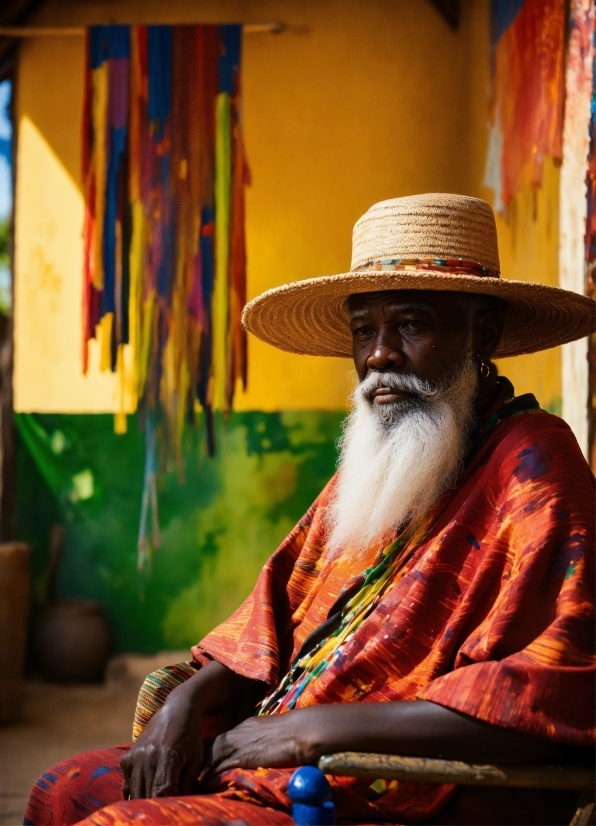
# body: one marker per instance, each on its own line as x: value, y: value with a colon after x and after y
x: 219, y: 750
x: 232, y: 760
x: 227, y: 763
x: 125, y: 766
x: 190, y: 774
x: 167, y: 773
x: 232, y: 749
x: 137, y: 782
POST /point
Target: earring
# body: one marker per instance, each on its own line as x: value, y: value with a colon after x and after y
x: 484, y: 368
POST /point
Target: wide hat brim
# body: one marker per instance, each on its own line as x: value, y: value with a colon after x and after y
x: 310, y: 317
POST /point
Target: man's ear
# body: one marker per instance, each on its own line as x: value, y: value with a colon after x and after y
x: 488, y: 331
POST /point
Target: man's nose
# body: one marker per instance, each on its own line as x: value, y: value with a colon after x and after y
x: 384, y: 354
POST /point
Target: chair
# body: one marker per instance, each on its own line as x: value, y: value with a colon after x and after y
x: 310, y: 795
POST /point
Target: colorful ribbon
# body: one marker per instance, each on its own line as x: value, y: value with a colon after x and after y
x: 164, y: 250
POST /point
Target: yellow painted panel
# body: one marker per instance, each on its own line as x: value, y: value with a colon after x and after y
x: 528, y: 244
x: 48, y: 289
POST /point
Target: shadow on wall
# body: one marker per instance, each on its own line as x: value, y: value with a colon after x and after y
x: 217, y: 527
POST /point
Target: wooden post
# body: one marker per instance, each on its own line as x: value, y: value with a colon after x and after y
x: 14, y: 613
x: 7, y: 440
x: 573, y: 208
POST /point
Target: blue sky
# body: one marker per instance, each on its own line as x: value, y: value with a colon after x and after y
x: 5, y: 136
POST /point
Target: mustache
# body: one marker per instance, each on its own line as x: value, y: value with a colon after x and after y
x: 397, y: 382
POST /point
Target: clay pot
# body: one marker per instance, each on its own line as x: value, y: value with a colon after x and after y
x: 14, y: 609
x: 72, y: 641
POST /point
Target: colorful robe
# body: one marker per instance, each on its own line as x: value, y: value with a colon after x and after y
x: 492, y: 616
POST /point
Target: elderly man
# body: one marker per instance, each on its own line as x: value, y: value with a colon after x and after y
x: 436, y: 599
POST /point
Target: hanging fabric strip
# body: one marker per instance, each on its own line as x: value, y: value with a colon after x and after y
x: 164, y: 173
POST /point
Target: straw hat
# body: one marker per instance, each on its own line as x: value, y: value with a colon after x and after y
x: 422, y: 242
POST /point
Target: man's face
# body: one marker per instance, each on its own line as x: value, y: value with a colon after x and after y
x: 412, y: 412
x: 409, y: 332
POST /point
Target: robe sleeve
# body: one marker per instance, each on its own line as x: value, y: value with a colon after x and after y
x: 529, y: 665
x: 257, y: 640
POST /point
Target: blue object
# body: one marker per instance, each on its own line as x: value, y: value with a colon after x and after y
x: 117, y: 148
x: 106, y: 42
x: 229, y: 60
x: 160, y: 50
x: 310, y: 793
x: 502, y: 15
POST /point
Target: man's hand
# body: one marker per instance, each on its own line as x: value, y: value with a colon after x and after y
x: 168, y: 756
x: 277, y: 741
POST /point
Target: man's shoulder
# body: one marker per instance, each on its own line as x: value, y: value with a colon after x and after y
x: 537, y: 443
x: 537, y: 424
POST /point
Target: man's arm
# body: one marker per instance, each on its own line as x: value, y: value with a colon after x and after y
x: 168, y: 756
x: 417, y: 728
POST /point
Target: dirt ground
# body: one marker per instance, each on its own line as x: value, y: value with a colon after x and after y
x: 59, y: 721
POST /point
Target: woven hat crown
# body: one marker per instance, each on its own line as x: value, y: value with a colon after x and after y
x: 427, y: 226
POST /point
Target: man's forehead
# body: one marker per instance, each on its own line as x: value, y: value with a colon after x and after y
x: 415, y: 299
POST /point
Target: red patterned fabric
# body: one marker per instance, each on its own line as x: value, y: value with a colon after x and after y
x: 88, y: 788
x: 75, y: 788
x: 493, y: 617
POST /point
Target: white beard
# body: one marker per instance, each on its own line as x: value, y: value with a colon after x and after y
x: 397, y: 459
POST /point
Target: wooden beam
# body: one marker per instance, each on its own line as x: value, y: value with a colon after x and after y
x: 15, y: 13
x: 430, y: 770
x: 79, y: 31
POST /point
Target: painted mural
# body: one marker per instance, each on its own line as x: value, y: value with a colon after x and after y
x: 219, y: 523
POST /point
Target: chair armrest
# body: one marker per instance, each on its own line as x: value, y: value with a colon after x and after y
x: 431, y: 770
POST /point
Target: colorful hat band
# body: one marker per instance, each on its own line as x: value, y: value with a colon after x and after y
x: 455, y: 266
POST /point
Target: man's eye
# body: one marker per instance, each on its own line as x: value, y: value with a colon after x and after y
x: 361, y: 332
x: 412, y: 324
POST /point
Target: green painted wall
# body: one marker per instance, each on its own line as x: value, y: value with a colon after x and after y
x: 217, y: 527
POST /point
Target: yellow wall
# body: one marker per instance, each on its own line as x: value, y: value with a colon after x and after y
x: 355, y: 102
x: 528, y: 244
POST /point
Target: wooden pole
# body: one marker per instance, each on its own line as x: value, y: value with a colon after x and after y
x: 79, y: 31
x: 573, y: 209
x: 7, y: 436
x: 14, y: 613
x: 430, y: 770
